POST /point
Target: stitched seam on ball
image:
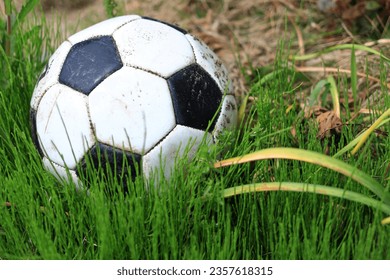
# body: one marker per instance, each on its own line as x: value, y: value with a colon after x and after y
x: 160, y: 141
x: 146, y: 70
x: 43, y: 94
x: 127, y: 22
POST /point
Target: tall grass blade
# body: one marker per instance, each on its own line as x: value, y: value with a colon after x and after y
x: 241, y: 110
x: 353, y: 143
x: 8, y: 12
x: 25, y: 10
x: 367, y: 133
x: 315, y: 158
x: 8, y: 7
x: 273, y: 76
x: 110, y: 7
x: 354, y: 76
x: 315, y: 93
x: 335, y: 96
x: 311, y: 188
x: 341, y: 47
x: 338, y: 70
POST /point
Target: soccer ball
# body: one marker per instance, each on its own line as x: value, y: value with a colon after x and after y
x: 129, y: 88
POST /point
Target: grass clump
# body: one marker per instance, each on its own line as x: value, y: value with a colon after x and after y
x: 198, y: 213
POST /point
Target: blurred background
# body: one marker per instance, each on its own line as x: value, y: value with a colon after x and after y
x: 244, y: 33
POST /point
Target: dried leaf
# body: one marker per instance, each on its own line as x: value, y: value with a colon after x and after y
x: 328, y: 124
x: 354, y: 12
x: 293, y: 131
x: 314, y: 111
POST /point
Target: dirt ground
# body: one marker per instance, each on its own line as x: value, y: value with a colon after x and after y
x: 240, y: 32
x: 245, y: 33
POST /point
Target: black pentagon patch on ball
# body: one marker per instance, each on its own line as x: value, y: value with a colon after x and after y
x: 196, y: 97
x: 89, y: 62
x: 121, y: 164
x: 166, y: 23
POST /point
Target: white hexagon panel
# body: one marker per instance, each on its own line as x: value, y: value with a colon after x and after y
x: 60, y: 172
x: 104, y: 28
x: 153, y: 46
x: 63, y: 127
x: 132, y: 110
x: 164, y: 155
x: 49, y: 75
x: 227, y: 119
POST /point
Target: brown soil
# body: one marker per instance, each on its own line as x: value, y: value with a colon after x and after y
x: 244, y: 33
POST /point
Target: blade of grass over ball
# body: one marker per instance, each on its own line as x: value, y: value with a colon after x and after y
x: 367, y: 133
x: 340, y: 47
x: 315, y: 158
x: 310, y: 188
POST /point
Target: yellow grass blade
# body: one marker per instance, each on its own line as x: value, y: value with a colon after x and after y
x: 335, y: 96
x: 311, y: 188
x: 385, y: 221
x: 367, y: 133
x: 315, y: 158
x: 340, y: 47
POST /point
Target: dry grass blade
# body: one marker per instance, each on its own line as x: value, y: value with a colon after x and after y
x: 301, y: 42
x: 352, y: 144
x: 336, y: 70
x: 367, y: 133
x: 315, y: 158
x: 385, y: 221
x: 341, y: 47
x: 311, y: 188
x: 335, y: 96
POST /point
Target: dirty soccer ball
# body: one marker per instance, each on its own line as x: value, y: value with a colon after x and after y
x: 131, y: 89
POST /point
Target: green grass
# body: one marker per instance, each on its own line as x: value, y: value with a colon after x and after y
x: 188, y: 218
